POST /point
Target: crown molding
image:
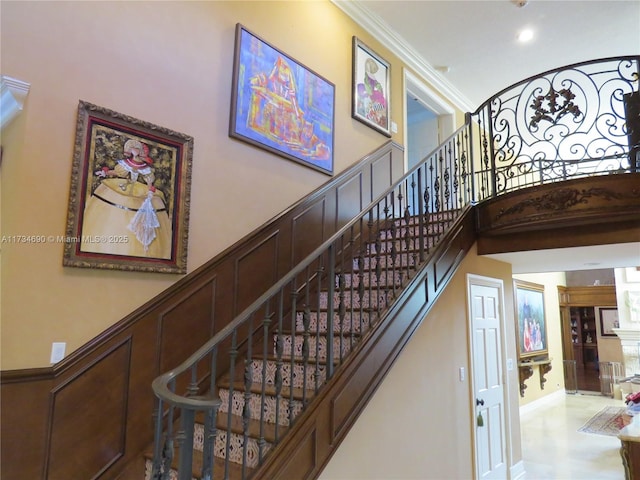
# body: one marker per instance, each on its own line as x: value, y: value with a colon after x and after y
x: 13, y: 93
x: 385, y: 34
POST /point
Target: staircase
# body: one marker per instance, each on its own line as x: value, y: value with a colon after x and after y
x: 527, y: 186
x: 351, y: 305
x: 266, y: 389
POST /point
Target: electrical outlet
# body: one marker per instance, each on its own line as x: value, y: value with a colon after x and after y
x: 57, y: 351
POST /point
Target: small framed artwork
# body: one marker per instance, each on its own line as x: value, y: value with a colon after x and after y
x: 280, y: 105
x: 608, y: 321
x: 371, y: 88
x: 530, y: 315
x: 129, y: 196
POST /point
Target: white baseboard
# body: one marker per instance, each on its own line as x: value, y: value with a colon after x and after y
x: 542, y: 401
x: 517, y: 471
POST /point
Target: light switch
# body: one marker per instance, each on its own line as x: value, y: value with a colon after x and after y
x: 461, y: 373
x: 57, y: 351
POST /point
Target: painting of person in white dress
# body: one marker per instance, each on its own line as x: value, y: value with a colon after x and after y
x: 126, y: 214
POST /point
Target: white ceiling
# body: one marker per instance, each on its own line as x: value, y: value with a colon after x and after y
x: 476, y: 41
x: 570, y: 259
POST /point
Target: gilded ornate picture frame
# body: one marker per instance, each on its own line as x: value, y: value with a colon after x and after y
x: 531, y: 319
x: 129, y: 195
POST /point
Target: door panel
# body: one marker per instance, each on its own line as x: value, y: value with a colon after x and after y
x: 486, y: 324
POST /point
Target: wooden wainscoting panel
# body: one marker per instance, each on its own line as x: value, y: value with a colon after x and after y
x: 242, y: 272
x: 349, y: 200
x: 89, y: 417
x: 344, y: 400
x: 445, y: 263
x: 449, y: 254
x: 256, y: 270
x: 304, y: 458
x: 185, y: 325
x: 307, y: 228
x: 383, y: 172
x: 24, y: 412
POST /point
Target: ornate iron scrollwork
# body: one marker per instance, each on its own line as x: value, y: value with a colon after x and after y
x: 554, y: 111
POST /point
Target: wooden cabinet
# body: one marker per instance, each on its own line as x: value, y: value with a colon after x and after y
x: 580, y: 333
x: 584, y: 335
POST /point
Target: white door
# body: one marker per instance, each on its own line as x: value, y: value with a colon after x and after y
x: 487, y: 353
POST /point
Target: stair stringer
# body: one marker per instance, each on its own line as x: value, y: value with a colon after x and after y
x: 321, y: 427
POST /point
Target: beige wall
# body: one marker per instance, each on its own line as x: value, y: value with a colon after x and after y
x: 419, y: 423
x: 555, y: 378
x: 609, y: 348
x: 167, y: 63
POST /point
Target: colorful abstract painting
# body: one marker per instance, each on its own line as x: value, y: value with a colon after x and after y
x: 280, y: 105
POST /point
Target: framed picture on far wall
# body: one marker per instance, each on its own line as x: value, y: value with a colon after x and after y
x: 129, y: 195
x: 371, y: 88
x: 531, y: 319
x: 280, y: 105
x: 608, y: 321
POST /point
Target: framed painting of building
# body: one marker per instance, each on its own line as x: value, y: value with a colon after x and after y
x: 531, y: 320
x: 129, y: 195
x: 371, y: 88
x: 280, y: 105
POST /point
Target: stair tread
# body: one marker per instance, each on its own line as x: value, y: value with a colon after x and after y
x: 235, y: 470
x: 286, y: 359
x: 253, y: 427
x: 270, y: 390
x: 296, y: 359
x: 392, y: 279
x: 313, y: 333
x: 369, y: 269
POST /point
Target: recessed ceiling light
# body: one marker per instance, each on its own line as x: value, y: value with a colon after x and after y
x: 525, y: 35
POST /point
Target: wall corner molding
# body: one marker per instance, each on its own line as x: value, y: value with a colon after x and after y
x: 13, y: 93
x: 387, y: 36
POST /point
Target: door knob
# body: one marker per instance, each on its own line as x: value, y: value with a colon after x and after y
x: 479, y: 402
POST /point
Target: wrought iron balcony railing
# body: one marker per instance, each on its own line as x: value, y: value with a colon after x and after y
x: 575, y: 121
x: 251, y: 381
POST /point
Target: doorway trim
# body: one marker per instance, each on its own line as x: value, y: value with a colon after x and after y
x: 416, y: 88
x: 474, y: 279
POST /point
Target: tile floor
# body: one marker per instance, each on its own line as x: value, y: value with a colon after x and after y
x: 553, y: 449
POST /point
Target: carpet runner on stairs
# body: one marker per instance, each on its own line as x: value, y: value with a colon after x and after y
x: 253, y: 414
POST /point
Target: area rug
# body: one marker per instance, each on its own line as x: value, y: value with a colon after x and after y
x: 607, y: 421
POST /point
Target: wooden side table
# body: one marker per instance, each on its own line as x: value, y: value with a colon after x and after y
x: 630, y: 450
